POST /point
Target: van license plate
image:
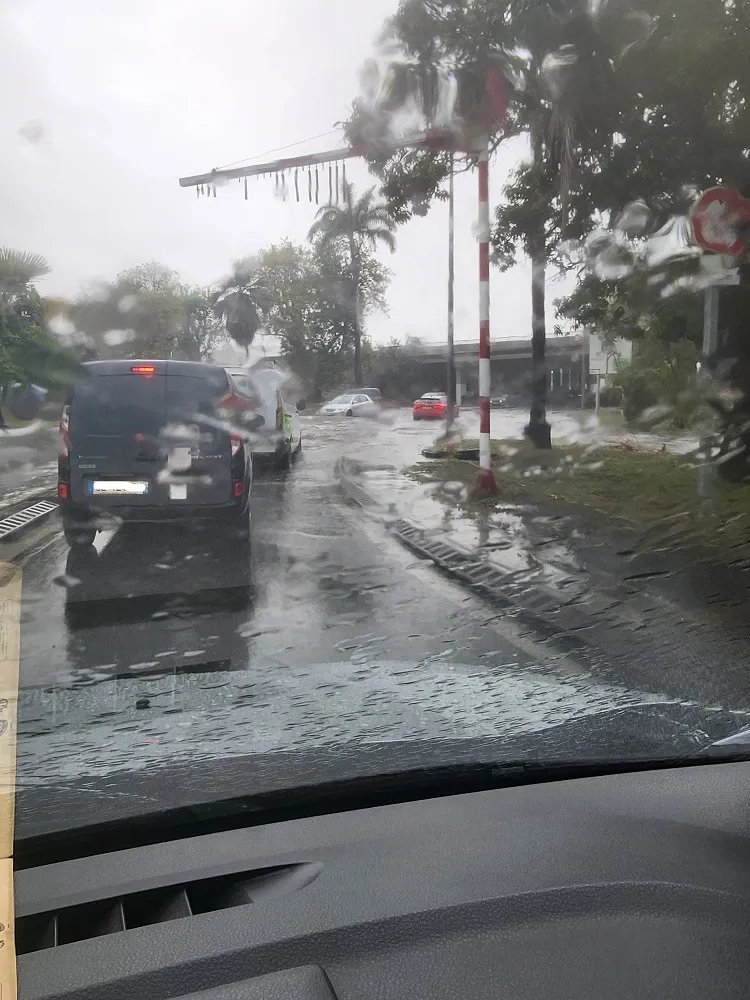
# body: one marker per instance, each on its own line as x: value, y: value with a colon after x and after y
x: 116, y: 487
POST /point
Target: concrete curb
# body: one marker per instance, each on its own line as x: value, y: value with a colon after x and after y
x: 491, y: 582
x: 355, y: 492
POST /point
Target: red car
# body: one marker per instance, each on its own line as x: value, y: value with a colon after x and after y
x: 432, y: 406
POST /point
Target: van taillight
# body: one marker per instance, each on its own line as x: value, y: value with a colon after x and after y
x: 236, y: 444
x: 65, y: 432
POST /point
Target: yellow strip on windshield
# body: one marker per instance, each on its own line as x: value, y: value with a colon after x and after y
x: 10, y: 651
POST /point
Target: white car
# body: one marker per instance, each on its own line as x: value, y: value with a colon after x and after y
x: 351, y: 404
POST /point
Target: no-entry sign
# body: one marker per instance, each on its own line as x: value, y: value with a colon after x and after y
x: 717, y: 216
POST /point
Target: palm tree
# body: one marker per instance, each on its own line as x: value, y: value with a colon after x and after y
x: 241, y: 302
x: 18, y: 268
x: 358, y: 225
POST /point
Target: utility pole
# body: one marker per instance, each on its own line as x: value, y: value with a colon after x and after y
x: 451, y: 372
x: 584, y: 366
x: 485, y: 482
x: 707, y: 469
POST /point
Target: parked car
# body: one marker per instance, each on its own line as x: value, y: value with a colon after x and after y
x: 351, y: 404
x: 280, y: 436
x: 432, y: 406
x: 372, y: 392
x: 141, y: 441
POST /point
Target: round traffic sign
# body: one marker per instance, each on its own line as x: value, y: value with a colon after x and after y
x: 716, y: 217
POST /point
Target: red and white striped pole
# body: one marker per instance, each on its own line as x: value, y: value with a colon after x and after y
x: 485, y: 483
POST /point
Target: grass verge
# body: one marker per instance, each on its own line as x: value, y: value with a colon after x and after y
x: 639, y: 488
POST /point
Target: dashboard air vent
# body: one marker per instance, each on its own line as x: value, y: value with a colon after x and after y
x: 37, y: 931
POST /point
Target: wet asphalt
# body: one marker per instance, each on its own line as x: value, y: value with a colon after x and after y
x: 162, y: 644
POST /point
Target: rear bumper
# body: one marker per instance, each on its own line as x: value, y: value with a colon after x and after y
x: 273, y: 452
x: 81, y: 513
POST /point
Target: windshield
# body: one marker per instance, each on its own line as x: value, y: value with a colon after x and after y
x: 227, y: 566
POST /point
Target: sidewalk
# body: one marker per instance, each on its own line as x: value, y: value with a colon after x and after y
x: 665, y: 619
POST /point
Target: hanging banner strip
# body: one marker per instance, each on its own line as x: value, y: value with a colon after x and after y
x: 438, y: 139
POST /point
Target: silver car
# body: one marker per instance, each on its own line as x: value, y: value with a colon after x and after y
x: 351, y: 404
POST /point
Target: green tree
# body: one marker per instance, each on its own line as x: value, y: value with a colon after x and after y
x: 29, y: 352
x: 310, y: 306
x: 684, y: 126
x: 201, y: 332
x: 140, y: 314
x: 550, y: 59
x: 356, y: 227
x: 632, y: 308
x: 660, y: 383
x: 241, y: 301
x: 146, y: 312
x: 646, y: 103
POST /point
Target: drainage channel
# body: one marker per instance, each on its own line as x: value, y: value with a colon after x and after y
x: 23, y: 518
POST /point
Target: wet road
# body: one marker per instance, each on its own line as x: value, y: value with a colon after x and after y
x: 339, y: 636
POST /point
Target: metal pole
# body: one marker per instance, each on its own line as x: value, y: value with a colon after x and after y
x: 451, y: 372
x: 707, y: 469
x: 485, y: 482
x: 584, y: 358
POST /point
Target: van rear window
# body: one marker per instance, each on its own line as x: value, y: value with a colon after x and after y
x: 130, y: 403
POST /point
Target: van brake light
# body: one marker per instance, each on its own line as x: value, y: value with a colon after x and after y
x: 236, y: 444
x: 144, y: 369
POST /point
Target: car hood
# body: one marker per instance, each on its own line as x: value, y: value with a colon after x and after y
x: 111, y: 748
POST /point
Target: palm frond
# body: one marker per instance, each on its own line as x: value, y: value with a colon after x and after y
x: 330, y: 222
x: 382, y: 235
x: 240, y: 303
x: 20, y: 267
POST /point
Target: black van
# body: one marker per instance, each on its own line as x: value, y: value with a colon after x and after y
x: 150, y: 441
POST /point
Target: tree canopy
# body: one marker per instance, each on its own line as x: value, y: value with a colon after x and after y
x: 29, y: 352
x: 310, y: 305
x: 148, y: 312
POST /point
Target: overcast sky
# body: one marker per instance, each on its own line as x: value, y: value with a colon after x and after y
x: 109, y: 102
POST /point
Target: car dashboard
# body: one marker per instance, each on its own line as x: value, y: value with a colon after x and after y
x: 634, y: 884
